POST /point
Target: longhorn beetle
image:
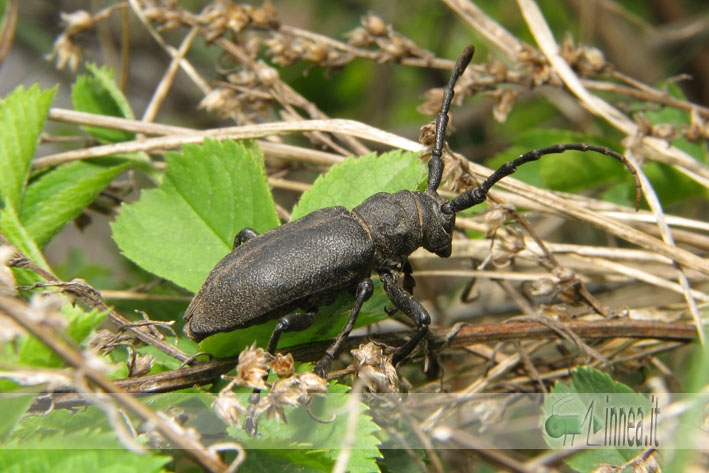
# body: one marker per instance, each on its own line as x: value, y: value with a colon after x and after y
x: 307, y: 263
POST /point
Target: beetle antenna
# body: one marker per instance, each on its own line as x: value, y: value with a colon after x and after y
x: 435, y: 164
x: 479, y: 194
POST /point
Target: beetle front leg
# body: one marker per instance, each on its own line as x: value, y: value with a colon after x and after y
x: 408, y: 285
x: 364, y: 292
x: 411, y: 307
x: 244, y: 235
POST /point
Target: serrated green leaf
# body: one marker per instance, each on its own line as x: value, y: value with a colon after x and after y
x: 209, y: 193
x: 98, y: 93
x: 60, y: 195
x: 22, y: 116
x: 353, y: 180
x: 86, y: 451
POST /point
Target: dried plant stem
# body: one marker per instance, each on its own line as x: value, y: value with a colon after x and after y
x: 545, y: 198
x: 661, y: 150
x: 339, y: 126
x: 164, y: 86
x: 184, y: 63
x: 542, y: 33
x: 466, y: 335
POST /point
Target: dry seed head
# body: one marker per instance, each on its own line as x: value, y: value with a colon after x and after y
x: 432, y: 104
x: 374, y: 25
x: 505, y: 99
x: 65, y: 52
x: 266, y: 74
x: 312, y: 383
x: 359, y: 37
x: 282, y: 365
x: 375, y: 368
x: 142, y: 365
x: 228, y: 408
x: 252, y: 367
x: 77, y: 21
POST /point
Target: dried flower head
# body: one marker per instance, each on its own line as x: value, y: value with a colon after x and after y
x: 375, y: 25
x: 228, y: 408
x: 253, y: 367
x: 140, y: 365
x: 375, y: 369
x: 283, y: 365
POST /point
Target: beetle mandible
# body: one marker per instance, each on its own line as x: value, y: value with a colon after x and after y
x: 307, y: 263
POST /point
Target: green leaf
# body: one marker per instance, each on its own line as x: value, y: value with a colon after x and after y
x: 60, y: 195
x: 583, y: 407
x: 22, y: 115
x: 209, y: 193
x: 85, y: 451
x: 99, y: 94
x: 33, y: 352
x: 355, y: 179
x: 14, y: 407
x: 13, y: 230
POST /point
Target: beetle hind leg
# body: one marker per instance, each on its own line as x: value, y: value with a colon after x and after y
x: 289, y: 323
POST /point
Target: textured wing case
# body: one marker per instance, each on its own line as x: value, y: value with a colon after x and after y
x: 304, y: 263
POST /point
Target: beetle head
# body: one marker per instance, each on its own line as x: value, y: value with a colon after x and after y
x: 437, y: 225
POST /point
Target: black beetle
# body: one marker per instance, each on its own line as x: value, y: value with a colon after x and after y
x: 307, y: 263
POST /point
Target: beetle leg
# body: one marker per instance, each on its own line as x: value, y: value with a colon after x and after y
x: 290, y: 322
x: 364, y: 292
x: 245, y: 235
x: 409, y: 281
x: 411, y: 307
x: 409, y: 284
